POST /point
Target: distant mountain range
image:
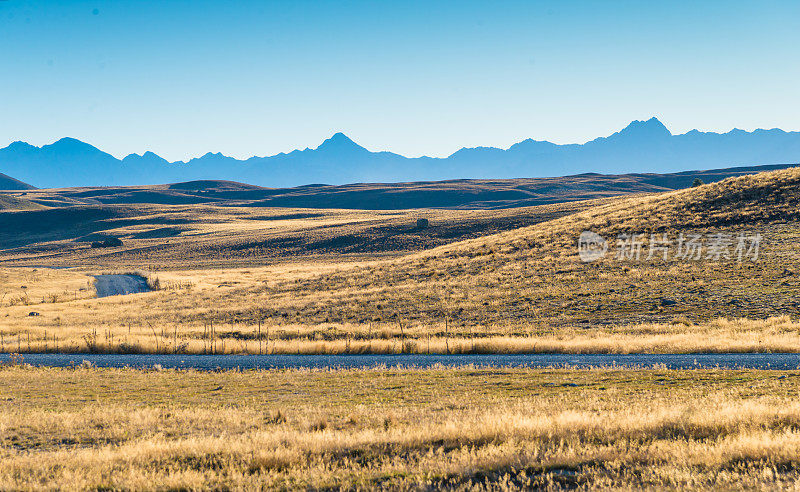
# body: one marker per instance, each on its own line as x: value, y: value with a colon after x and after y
x: 641, y: 147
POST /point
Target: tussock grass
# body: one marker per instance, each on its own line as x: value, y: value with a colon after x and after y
x: 778, y: 334
x: 15, y: 203
x: 398, y: 429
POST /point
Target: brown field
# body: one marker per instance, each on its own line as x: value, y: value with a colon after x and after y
x: 14, y: 203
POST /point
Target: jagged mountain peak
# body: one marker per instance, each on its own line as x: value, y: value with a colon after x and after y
x: 69, y: 144
x: 645, y: 128
x: 20, y: 145
x: 146, y: 157
x: 339, y: 142
x: 69, y: 141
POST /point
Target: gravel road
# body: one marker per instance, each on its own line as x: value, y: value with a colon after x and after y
x: 117, y: 285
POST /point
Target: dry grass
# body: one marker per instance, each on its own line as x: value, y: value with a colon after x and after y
x: 534, y: 275
x: 517, y: 291
x: 9, y: 202
x: 32, y: 286
x: 778, y: 334
x: 397, y: 429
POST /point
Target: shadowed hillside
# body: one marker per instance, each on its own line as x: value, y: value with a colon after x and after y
x: 207, y: 234
x: 470, y: 281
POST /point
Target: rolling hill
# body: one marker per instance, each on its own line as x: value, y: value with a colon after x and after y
x: 454, y: 194
x: 492, y: 280
x: 198, y: 235
x: 203, y: 222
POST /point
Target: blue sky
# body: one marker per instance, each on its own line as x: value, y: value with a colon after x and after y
x: 182, y: 78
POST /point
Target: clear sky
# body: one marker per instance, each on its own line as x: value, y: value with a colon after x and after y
x: 248, y: 77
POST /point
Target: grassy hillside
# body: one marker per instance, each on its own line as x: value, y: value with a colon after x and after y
x: 533, y: 275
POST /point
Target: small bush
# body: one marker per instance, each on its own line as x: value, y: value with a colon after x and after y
x: 276, y: 417
x: 319, y: 425
x: 153, y: 283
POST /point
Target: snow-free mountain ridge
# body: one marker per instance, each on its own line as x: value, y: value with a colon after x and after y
x: 642, y: 146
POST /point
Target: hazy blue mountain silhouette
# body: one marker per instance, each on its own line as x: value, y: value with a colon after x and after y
x: 641, y: 147
x: 9, y: 183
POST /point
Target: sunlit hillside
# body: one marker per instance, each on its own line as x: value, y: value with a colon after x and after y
x: 534, y: 274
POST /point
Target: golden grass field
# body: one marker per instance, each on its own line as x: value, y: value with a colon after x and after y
x: 234, y: 279
x: 459, y: 429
